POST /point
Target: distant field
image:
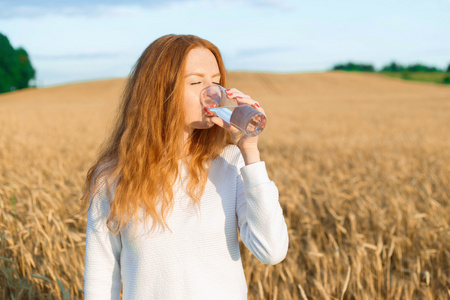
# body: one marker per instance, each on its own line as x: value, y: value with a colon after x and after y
x: 436, y: 77
x: 361, y: 162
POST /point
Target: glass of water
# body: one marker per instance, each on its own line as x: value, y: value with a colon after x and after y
x: 244, y: 117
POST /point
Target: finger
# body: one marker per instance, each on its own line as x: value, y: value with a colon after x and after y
x: 234, y: 93
x: 232, y: 90
x: 258, y: 108
x: 252, y: 103
x: 248, y: 101
x: 242, y: 98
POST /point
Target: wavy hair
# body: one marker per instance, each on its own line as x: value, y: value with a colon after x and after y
x: 143, y: 152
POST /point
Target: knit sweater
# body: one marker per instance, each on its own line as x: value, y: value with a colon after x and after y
x: 198, y: 256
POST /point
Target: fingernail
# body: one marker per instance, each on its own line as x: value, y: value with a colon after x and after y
x: 238, y: 97
x: 257, y: 105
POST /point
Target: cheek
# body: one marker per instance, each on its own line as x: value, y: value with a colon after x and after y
x: 192, y: 105
x: 191, y: 96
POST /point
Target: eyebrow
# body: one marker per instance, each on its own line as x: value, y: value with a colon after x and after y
x: 201, y: 75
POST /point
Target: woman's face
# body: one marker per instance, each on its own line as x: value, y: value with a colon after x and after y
x: 201, y: 71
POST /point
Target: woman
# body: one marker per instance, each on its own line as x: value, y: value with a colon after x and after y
x: 170, y: 191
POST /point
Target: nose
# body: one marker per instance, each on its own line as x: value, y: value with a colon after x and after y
x: 209, y: 83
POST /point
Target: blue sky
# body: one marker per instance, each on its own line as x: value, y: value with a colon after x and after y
x: 70, y: 41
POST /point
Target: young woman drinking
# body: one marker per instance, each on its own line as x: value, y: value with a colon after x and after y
x: 174, y: 186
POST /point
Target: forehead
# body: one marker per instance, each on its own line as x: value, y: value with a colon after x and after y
x: 201, y: 60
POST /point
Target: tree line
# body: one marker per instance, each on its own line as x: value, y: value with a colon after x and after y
x: 411, y: 72
x: 16, y: 70
x: 392, y: 67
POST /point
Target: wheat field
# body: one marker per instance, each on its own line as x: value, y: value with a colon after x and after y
x: 362, y: 164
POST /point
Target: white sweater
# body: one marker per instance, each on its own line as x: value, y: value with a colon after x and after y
x: 198, y: 258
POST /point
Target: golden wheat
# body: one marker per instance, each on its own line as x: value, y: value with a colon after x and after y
x: 362, y: 164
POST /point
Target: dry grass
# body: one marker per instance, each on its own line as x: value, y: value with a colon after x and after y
x: 362, y: 163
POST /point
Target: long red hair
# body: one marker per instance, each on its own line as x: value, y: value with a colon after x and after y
x: 143, y: 152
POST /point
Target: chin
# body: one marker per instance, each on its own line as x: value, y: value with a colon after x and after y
x: 204, y: 124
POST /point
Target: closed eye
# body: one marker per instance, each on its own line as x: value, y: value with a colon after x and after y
x: 194, y: 83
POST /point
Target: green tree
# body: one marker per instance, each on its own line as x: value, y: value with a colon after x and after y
x: 448, y: 68
x: 393, y: 67
x: 26, y: 71
x: 421, y: 68
x: 354, y: 67
x: 16, y: 70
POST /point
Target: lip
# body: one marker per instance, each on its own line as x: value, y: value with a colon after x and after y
x: 208, y: 112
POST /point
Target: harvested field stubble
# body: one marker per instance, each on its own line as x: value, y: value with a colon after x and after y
x: 361, y: 162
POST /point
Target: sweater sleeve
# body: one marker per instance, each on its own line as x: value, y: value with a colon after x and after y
x: 102, y: 257
x: 260, y: 218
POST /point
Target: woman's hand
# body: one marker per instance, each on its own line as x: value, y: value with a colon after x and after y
x: 247, y: 145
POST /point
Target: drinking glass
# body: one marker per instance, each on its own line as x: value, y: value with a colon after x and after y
x: 244, y: 117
